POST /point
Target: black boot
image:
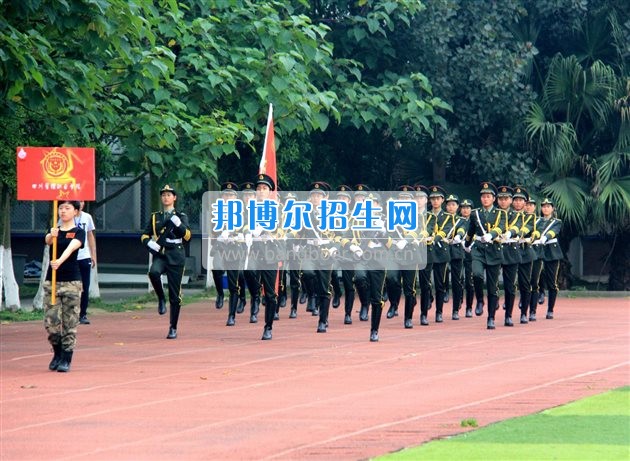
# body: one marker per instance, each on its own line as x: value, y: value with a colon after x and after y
x: 240, y: 308
x: 232, y: 313
x: 377, y: 311
x: 493, y: 303
x: 161, y: 306
x: 54, y: 363
x: 439, y: 304
x: 323, y: 314
x: 532, y: 307
x: 172, y: 332
x: 455, y: 315
x: 363, y: 314
x: 348, y: 304
x: 541, y: 297
x: 294, y: 303
x: 336, y: 301
x: 410, y: 302
x: 391, y: 312
x: 479, y: 309
x: 509, y: 308
x: 270, y: 310
x: 311, y: 304
x: 551, y: 302
x: 219, y: 301
x: 255, y: 308
x: 65, y: 361
x: 282, y: 298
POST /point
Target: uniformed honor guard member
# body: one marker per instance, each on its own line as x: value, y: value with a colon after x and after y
x: 510, y: 250
x: 250, y: 279
x: 321, y: 248
x: 347, y: 275
x: 426, y: 229
x: 486, y: 225
x: 264, y: 252
x: 393, y: 279
x: 465, y: 210
x: 405, y: 275
x: 527, y: 252
x: 164, y: 237
x: 441, y: 249
x: 537, y: 263
x: 293, y: 269
x: 228, y: 192
x: 456, y: 238
x: 361, y: 192
x: 549, y: 227
x: 230, y: 245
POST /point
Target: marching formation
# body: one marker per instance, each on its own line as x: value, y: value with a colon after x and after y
x: 504, y: 236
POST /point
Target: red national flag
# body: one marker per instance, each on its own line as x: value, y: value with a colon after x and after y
x: 56, y: 173
x: 268, y: 160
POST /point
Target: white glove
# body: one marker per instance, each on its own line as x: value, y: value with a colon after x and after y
x: 248, y: 239
x: 332, y: 251
x: 175, y: 220
x: 379, y: 224
x: 240, y: 238
x: 257, y: 231
x: 401, y: 244
x: 543, y: 239
x: 224, y: 236
x: 296, y: 248
x: 457, y: 239
x: 356, y: 250
x: 468, y: 249
x: 487, y: 237
x: 507, y: 235
x: 154, y: 245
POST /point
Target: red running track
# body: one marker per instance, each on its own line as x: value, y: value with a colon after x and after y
x: 219, y: 392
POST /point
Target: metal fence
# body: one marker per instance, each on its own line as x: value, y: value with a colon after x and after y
x: 127, y: 213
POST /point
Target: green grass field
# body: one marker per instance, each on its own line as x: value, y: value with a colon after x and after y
x: 595, y: 428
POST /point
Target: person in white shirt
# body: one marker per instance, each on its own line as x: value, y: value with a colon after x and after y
x: 86, y: 258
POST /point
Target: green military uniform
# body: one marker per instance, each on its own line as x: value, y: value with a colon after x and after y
x: 511, y: 254
x: 469, y: 284
x: 169, y: 230
x: 456, y: 239
x: 402, y: 280
x: 441, y: 254
x: 486, y: 225
x: 426, y: 231
x: 527, y: 254
x: 230, y: 246
x: 552, y: 254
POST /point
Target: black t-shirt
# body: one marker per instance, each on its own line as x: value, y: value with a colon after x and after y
x: 69, y: 270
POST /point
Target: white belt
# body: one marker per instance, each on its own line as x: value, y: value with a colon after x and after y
x: 478, y: 237
x: 510, y: 240
x: 374, y: 245
x: 317, y: 242
x: 176, y: 241
x: 551, y: 241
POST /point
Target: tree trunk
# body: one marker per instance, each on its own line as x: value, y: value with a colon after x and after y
x: 38, y: 301
x: 8, y: 284
x: 619, y: 275
x: 439, y: 169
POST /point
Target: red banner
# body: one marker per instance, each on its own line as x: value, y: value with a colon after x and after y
x: 56, y: 173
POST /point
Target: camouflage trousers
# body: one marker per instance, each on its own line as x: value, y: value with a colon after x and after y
x: 61, y: 319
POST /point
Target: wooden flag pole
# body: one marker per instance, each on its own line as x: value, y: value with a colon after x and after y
x: 54, y: 257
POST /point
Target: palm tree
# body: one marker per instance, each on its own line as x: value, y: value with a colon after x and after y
x: 580, y: 129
